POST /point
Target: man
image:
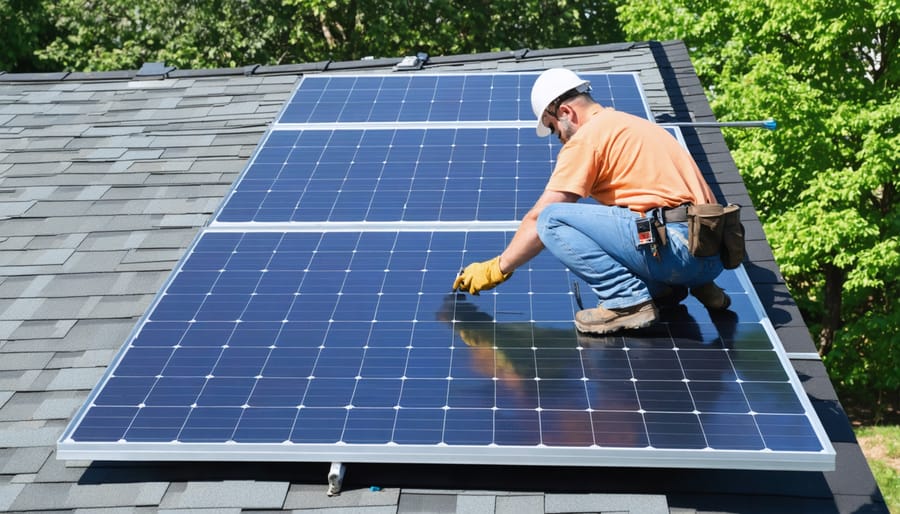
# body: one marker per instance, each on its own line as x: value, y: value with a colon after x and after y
x: 632, y: 247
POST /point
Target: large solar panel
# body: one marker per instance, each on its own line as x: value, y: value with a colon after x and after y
x: 312, y: 320
x: 348, y: 346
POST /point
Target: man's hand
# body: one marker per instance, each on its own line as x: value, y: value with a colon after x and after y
x: 480, y: 276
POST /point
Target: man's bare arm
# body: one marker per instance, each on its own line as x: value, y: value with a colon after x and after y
x: 525, y: 243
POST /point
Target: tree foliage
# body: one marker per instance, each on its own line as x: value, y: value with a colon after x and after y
x: 25, y: 28
x: 93, y: 35
x: 825, y: 183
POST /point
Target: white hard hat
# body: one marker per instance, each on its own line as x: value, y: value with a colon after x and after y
x: 550, y: 85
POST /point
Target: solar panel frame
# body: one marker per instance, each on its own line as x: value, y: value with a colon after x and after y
x: 203, y: 437
x: 198, y: 409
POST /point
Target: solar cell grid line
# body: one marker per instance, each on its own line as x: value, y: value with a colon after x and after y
x: 369, y: 353
x: 460, y: 97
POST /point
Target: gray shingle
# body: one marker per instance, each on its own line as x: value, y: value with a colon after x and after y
x: 43, y: 329
x: 22, y: 287
x: 139, y: 155
x: 98, y: 334
x: 122, y: 306
x: 82, y: 359
x: 187, y: 179
x: 117, y: 207
x: 168, y: 238
x: 61, y: 405
x: 349, y: 510
x: 304, y: 496
x: 8, y: 494
x: 8, y: 209
x: 32, y: 173
x: 230, y: 493
x: 7, y: 328
x: 18, y: 380
x: 416, y: 503
x: 629, y: 503
x: 20, y: 309
x: 14, y: 243
x: 23, y: 434
x: 35, y: 257
x: 51, y: 496
x: 56, y: 241
x: 106, y: 241
x: 58, y: 471
x: 22, y: 460
x: 88, y: 262
x: 533, y: 504
x: 182, y: 141
x: 235, y: 510
x: 73, y: 378
x: 117, y: 510
x: 28, y: 360
x: 153, y: 255
x: 61, y: 286
x: 475, y: 504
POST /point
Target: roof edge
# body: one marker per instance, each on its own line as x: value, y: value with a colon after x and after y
x: 522, y: 54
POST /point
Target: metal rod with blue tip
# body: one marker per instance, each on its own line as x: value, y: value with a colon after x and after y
x: 766, y: 124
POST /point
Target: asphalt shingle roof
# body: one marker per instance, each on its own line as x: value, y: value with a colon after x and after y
x: 104, y: 181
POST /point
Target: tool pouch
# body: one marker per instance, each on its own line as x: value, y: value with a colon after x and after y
x: 732, y: 237
x: 716, y: 230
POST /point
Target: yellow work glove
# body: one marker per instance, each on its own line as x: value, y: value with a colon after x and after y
x: 479, y: 276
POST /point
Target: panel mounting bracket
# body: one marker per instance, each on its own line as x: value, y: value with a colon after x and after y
x: 336, y: 478
x: 412, y: 62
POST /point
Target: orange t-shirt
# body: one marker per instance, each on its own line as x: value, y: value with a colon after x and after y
x: 620, y: 159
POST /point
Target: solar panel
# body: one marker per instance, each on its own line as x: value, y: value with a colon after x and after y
x: 312, y: 320
x: 440, y: 98
x: 347, y: 346
x: 393, y: 175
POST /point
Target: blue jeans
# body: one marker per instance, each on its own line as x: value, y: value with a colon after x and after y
x: 598, y: 243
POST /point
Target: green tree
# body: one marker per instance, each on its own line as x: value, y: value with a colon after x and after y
x: 351, y: 29
x: 91, y: 35
x: 25, y: 28
x: 825, y: 183
x: 99, y: 35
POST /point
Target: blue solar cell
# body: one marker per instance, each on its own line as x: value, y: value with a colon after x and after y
x: 356, y: 361
x: 473, y: 97
x: 396, y: 175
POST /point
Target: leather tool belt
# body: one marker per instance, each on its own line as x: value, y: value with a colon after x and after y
x: 713, y: 229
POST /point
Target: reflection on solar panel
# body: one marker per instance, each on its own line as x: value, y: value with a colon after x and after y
x: 323, y: 329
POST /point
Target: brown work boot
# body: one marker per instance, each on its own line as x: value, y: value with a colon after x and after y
x: 711, y: 296
x: 603, y: 321
x: 671, y: 296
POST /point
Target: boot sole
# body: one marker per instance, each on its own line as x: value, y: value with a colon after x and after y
x: 627, y: 322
